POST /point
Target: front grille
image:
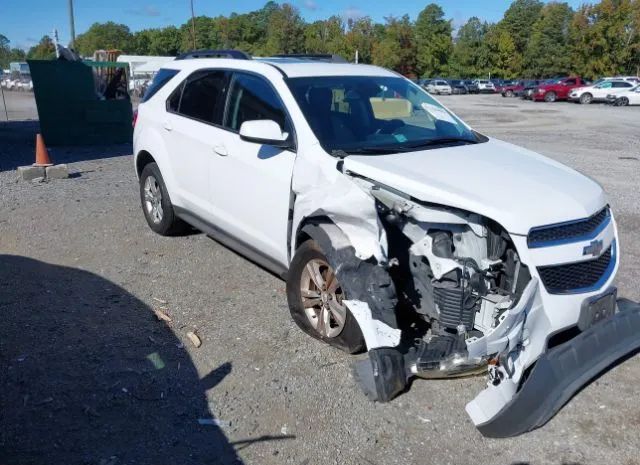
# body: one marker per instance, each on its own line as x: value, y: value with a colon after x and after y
x: 578, y: 277
x: 572, y: 231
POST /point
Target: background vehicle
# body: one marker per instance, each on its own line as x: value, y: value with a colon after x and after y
x: 458, y: 86
x: 515, y: 88
x: 557, y: 89
x: 599, y: 92
x: 625, y: 98
x: 485, y: 86
x: 438, y: 87
x: 530, y: 87
x: 472, y: 87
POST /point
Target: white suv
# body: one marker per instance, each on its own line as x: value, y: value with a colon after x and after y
x: 484, y: 85
x: 398, y: 228
x: 439, y: 86
x: 599, y: 92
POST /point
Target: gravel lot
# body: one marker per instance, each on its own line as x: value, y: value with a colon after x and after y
x: 89, y: 375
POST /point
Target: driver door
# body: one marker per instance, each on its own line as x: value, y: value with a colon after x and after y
x: 250, y: 182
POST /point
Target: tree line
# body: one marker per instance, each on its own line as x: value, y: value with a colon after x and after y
x: 533, y: 39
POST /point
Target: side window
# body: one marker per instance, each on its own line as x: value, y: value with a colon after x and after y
x: 173, y: 102
x: 203, y: 96
x: 570, y: 82
x: 252, y: 98
x: 159, y: 80
x: 606, y: 85
x: 621, y: 84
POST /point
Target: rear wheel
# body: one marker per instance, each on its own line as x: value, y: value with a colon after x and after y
x: 316, y: 300
x: 156, y: 204
x: 622, y: 102
x: 586, y: 98
x: 550, y: 97
x: 508, y: 93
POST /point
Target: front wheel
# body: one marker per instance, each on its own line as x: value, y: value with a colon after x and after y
x: 550, y: 97
x: 316, y: 300
x: 622, y: 102
x: 508, y: 93
x: 586, y: 98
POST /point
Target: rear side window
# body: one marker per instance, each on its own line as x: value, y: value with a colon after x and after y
x: 621, y: 84
x: 201, y: 96
x: 253, y: 98
x: 160, y: 79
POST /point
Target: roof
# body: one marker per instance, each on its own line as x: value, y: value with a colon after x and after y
x: 291, y: 67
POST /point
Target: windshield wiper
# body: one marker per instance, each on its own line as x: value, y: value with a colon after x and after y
x: 440, y: 141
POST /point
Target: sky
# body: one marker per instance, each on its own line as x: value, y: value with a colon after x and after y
x: 24, y: 22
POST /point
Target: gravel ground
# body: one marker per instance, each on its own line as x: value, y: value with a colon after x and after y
x: 90, y: 375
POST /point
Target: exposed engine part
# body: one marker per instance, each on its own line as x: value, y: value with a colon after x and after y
x: 445, y: 357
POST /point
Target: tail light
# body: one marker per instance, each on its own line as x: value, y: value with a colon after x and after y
x: 135, y: 118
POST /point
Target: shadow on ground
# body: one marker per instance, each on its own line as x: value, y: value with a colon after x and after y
x: 88, y: 375
x: 18, y: 142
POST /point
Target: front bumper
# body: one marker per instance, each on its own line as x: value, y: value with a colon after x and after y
x: 561, y: 372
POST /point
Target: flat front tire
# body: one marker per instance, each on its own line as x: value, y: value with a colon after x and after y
x: 316, y: 300
x: 156, y: 203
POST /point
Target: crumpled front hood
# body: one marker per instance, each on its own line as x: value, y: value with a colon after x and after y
x: 516, y: 187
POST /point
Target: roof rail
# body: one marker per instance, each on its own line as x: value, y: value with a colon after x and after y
x: 235, y: 54
x: 314, y: 57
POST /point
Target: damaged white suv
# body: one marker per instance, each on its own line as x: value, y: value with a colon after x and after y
x: 398, y: 228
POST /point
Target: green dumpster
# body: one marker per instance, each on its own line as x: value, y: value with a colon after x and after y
x: 70, y: 107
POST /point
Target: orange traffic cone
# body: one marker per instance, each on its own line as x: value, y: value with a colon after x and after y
x: 42, y: 156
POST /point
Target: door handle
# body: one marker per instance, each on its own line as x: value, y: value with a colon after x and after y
x: 221, y: 150
x: 167, y: 126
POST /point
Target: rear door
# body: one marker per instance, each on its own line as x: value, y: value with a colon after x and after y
x: 251, y: 183
x: 193, y: 130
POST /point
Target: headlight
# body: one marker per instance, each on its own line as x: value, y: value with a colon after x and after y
x: 541, y: 91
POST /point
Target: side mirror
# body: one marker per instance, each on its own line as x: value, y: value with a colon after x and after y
x: 264, y: 132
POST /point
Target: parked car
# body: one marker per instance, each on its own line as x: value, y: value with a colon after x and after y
x: 458, y: 86
x: 424, y: 83
x: 472, y: 87
x: 515, y: 88
x: 625, y: 98
x: 531, y: 87
x: 599, y: 92
x: 438, y: 87
x: 358, y: 199
x: 485, y: 86
x: 558, y: 89
x: 634, y: 79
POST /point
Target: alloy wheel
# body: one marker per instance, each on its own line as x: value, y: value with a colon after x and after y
x: 322, y: 298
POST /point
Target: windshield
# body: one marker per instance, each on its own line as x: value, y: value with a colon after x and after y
x: 375, y: 115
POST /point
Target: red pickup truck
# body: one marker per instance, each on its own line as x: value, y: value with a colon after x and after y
x: 558, y: 89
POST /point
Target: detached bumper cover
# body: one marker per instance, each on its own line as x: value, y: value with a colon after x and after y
x: 564, y: 370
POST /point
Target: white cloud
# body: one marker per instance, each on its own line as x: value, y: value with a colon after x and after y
x: 310, y: 5
x: 352, y: 12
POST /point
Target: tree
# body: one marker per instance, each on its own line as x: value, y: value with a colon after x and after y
x: 603, y: 38
x: 499, y: 56
x: 8, y: 54
x: 165, y: 41
x: 105, y: 36
x: 518, y: 21
x: 433, y: 41
x: 44, y: 50
x: 547, y: 53
x: 396, y: 48
x: 325, y: 36
x: 467, y: 50
x: 284, y: 31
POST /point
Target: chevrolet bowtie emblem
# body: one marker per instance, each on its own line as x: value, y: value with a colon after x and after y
x: 595, y: 248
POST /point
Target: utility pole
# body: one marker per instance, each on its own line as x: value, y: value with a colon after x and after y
x: 72, y: 26
x: 55, y: 42
x: 193, y: 26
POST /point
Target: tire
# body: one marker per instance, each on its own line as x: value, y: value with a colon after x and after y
x: 586, y: 98
x: 508, y: 93
x: 349, y: 338
x: 550, y: 97
x: 622, y: 101
x: 161, y: 220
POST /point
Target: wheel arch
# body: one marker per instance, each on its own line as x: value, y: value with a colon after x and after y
x: 143, y: 158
